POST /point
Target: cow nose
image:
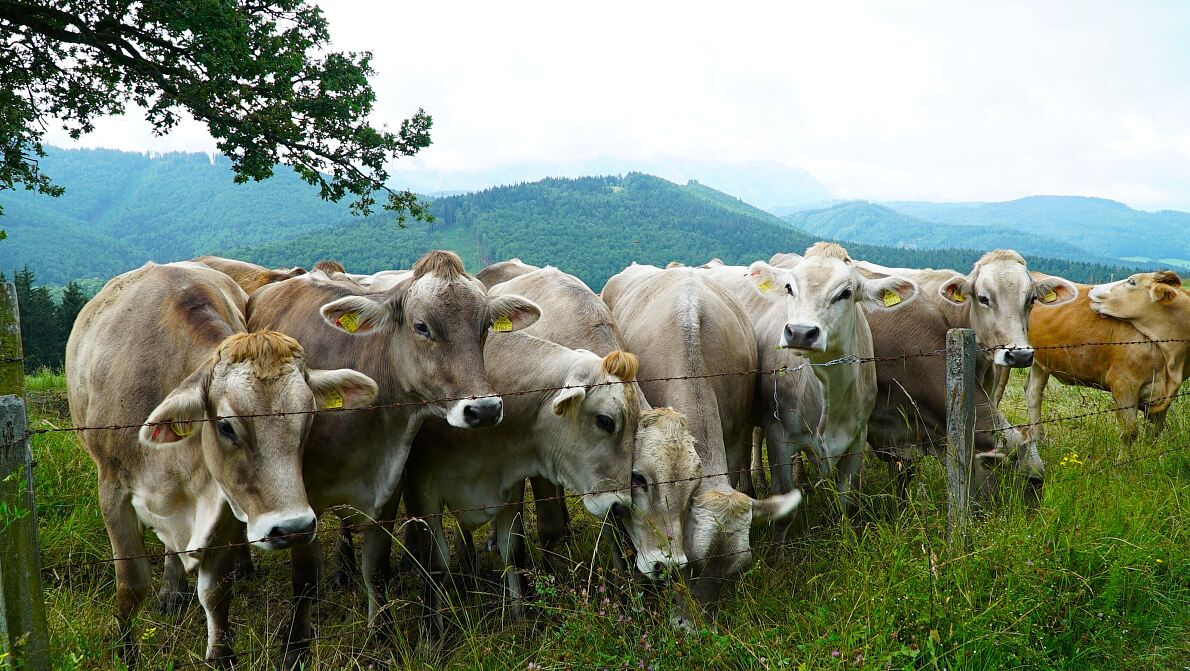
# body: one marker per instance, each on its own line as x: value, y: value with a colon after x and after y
x: 801, y: 336
x: 1018, y: 358
x: 296, y: 532
x: 483, y: 412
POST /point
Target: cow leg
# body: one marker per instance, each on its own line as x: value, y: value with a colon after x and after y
x: 378, y: 546
x: 132, y: 575
x: 306, y: 563
x: 347, y: 569
x: 1127, y: 396
x: 757, y: 461
x: 214, y: 592
x: 174, y: 591
x: 849, y: 480
x: 780, y: 458
x: 245, y: 568
x: 510, y: 537
x: 553, y: 517
x: 739, y: 461
x: 433, y: 558
x: 1034, y: 391
x: 1003, y: 375
x: 1158, y: 422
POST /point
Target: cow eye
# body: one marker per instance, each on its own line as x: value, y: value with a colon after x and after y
x: 226, y: 430
x: 789, y: 289
x: 606, y: 423
x: 639, y: 482
x: 421, y: 328
x: 1031, y: 300
x: 984, y: 300
x: 1131, y: 281
x: 843, y: 295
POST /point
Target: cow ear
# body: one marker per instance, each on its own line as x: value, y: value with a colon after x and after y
x: 1054, y: 291
x: 511, y: 312
x: 568, y: 398
x: 1163, y: 293
x: 775, y: 507
x: 341, y: 388
x: 957, y: 290
x: 180, y: 415
x: 889, y: 292
x: 358, y: 315
x: 764, y: 279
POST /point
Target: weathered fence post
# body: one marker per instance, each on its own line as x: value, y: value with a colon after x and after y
x: 24, y: 641
x: 960, y: 425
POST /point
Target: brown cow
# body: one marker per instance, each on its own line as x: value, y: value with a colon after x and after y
x: 423, y: 343
x: 167, y: 343
x: 1140, y: 377
x: 249, y: 276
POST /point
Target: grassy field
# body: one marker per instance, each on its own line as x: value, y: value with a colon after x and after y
x: 1097, y: 578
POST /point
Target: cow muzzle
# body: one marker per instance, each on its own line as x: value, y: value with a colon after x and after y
x: 803, y: 337
x: 1015, y: 357
x: 277, y: 531
x: 476, y: 413
x: 654, y: 564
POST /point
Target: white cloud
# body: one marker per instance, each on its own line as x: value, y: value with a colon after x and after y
x: 930, y: 100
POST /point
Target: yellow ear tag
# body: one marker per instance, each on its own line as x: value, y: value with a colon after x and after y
x: 959, y: 298
x: 349, y: 321
x: 765, y: 286
x: 891, y: 298
x: 502, y: 325
x: 1049, y: 296
x: 332, y: 399
x: 183, y: 429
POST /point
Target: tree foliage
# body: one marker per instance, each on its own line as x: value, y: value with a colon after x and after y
x: 45, y: 322
x: 257, y: 73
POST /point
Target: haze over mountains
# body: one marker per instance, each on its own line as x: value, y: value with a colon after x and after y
x: 122, y: 209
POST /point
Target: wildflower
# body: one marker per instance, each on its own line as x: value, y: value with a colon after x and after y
x: 836, y: 654
x: 534, y: 666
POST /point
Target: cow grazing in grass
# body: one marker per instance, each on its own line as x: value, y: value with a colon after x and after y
x: 682, y: 325
x: 227, y: 414
x: 422, y: 341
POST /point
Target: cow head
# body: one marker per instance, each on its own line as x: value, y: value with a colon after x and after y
x: 720, y: 521
x: 250, y: 407
x: 1135, y: 297
x: 1007, y: 452
x: 665, y: 474
x: 595, y: 417
x: 999, y: 294
x: 821, y: 295
x: 438, y: 320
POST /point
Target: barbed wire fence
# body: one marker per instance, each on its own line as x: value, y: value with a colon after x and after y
x: 960, y: 353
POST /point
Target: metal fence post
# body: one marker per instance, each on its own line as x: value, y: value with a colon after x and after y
x: 24, y: 640
x: 960, y: 425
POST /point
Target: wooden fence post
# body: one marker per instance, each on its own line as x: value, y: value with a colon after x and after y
x: 960, y: 425
x: 24, y: 640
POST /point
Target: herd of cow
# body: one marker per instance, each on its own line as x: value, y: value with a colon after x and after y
x: 258, y: 399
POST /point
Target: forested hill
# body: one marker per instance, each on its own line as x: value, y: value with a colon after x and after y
x: 122, y: 209
x: 594, y: 227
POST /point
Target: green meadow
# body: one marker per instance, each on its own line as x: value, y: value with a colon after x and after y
x: 1097, y: 577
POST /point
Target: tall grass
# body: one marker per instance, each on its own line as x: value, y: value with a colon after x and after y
x: 1098, y: 577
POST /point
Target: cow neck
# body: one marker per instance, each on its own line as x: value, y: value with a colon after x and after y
x: 1173, y: 353
x: 839, y: 381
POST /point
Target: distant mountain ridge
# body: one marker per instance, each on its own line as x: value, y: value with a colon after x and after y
x: 122, y: 209
x: 1069, y: 227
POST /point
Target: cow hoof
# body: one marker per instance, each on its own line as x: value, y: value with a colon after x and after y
x: 221, y: 657
x: 343, y: 579
x: 172, y: 602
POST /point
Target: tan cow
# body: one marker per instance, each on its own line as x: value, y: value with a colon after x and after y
x: 683, y: 325
x: 995, y: 300
x: 581, y: 436
x: 423, y: 343
x: 166, y: 344
x: 813, y: 310
x: 249, y: 276
x: 498, y: 273
x: 1141, y: 378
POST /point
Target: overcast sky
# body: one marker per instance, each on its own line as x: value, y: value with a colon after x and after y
x: 897, y: 100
